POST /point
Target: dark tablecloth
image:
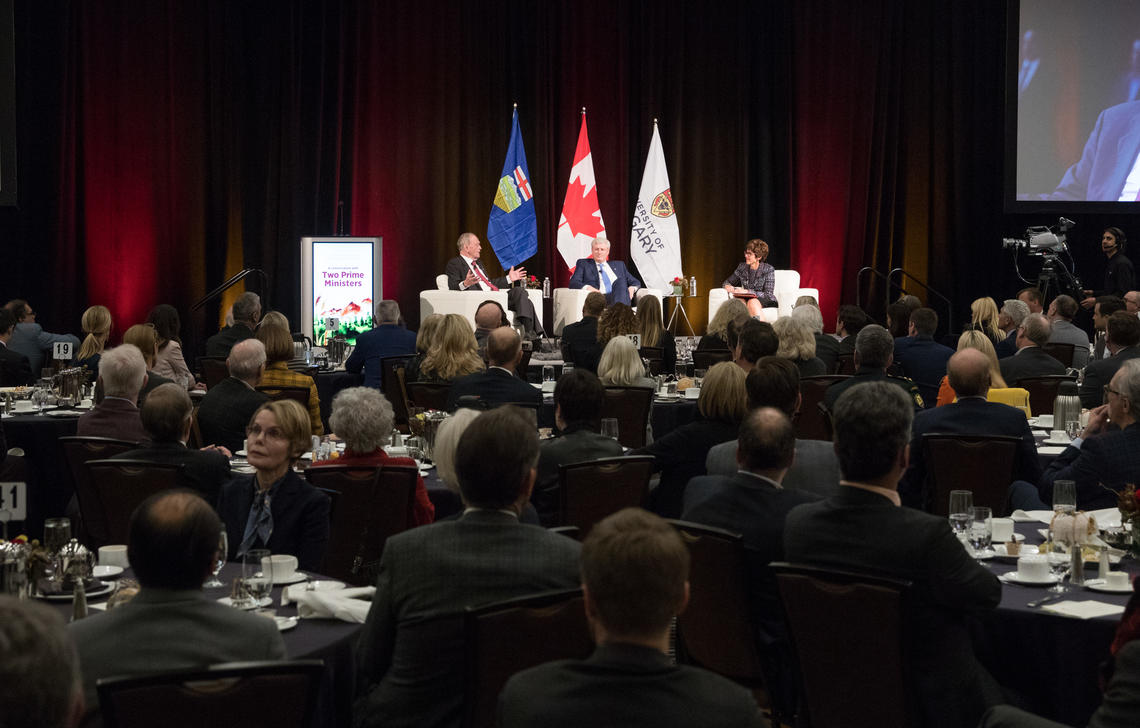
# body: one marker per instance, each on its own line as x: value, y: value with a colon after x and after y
x: 49, y: 479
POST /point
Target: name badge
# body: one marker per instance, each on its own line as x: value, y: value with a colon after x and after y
x: 13, y: 501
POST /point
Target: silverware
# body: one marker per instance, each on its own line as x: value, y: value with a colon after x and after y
x: 1046, y: 600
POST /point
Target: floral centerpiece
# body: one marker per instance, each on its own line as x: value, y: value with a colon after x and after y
x: 678, y: 286
x: 1129, y: 504
x: 533, y: 282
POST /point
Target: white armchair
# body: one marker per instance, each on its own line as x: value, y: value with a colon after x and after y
x: 568, y: 304
x: 787, y: 290
x: 465, y: 303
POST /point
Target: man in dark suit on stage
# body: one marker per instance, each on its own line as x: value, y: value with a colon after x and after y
x: 226, y: 409
x: 1108, y: 157
x: 1123, y: 341
x: 635, y: 570
x: 498, y: 384
x: 969, y: 372
x: 922, y: 358
x: 580, y: 339
x: 865, y: 528
x: 610, y: 277
x: 15, y: 371
x: 465, y: 272
x: 122, y: 371
x: 247, y: 312
x: 388, y: 338
x: 1030, y: 359
x: 410, y: 653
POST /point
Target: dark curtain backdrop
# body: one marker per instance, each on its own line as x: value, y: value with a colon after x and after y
x: 164, y: 145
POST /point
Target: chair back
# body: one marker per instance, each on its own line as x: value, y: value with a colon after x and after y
x: 1060, y: 351
x: 79, y: 451
x: 552, y: 626
x: 715, y: 631
x: 121, y: 485
x: 980, y: 463
x: 428, y: 395
x: 590, y: 491
x: 393, y: 387
x: 845, y: 364
x: 812, y: 423
x: 372, y: 504
x: 630, y: 407
x: 655, y: 356
x: 710, y: 358
x: 299, y: 395
x: 1043, y: 391
x: 523, y: 368
x: 280, y: 694
x: 856, y: 680
x: 213, y: 369
x: 195, y: 440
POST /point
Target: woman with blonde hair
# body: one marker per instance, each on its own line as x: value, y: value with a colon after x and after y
x: 424, y: 338
x: 717, y: 335
x: 984, y: 318
x: 797, y: 343
x: 620, y: 365
x: 145, y: 339
x: 999, y: 390
x: 654, y: 334
x: 617, y: 320
x: 278, y: 353
x: 96, y: 324
x: 454, y: 352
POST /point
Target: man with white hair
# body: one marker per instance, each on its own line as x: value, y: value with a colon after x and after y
x: 388, y: 338
x: 122, y: 371
x: 599, y: 273
x: 466, y: 273
x: 1013, y: 312
x: 1030, y: 359
x: 228, y: 405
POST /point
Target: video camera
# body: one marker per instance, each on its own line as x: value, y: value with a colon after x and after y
x: 1047, y: 244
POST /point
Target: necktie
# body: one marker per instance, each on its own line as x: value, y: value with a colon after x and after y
x: 259, y: 525
x: 603, y: 278
x: 479, y: 274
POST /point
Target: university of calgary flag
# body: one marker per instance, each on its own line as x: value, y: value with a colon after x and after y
x: 581, y: 219
x: 512, y: 228
x: 655, y: 242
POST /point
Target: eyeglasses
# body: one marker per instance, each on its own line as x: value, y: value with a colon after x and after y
x: 1109, y: 390
x: 271, y: 433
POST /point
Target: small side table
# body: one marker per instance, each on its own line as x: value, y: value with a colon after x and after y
x: 678, y: 307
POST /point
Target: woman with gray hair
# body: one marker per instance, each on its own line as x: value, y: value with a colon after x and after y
x: 362, y: 417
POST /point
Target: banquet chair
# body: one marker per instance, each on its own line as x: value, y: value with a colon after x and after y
x: 428, y: 395
x: 857, y: 680
x: 1060, y: 351
x: 630, y: 406
x: 655, y: 356
x: 121, y: 485
x: 1043, y: 391
x: 812, y: 423
x: 372, y: 504
x: 845, y: 364
x: 552, y: 625
x: 299, y: 395
x: 213, y: 369
x: 79, y: 450
x: 392, y: 386
x: 710, y: 358
x: 282, y: 694
x: 589, y: 491
x: 979, y: 463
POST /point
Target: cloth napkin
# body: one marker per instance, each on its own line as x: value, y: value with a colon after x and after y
x: 1021, y: 516
x: 348, y: 605
x: 1085, y: 609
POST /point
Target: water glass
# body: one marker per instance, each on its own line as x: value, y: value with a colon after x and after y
x: 1064, y: 496
x: 567, y: 367
x: 57, y: 532
x: 1059, y: 563
x: 610, y: 427
x: 981, y: 528
x: 257, y: 574
x: 1073, y: 429
x: 961, y: 503
x: 219, y: 560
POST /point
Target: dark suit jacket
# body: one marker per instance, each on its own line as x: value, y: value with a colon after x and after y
x: 863, y: 531
x: 586, y: 274
x: 1031, y: 361
x: 971, y: 416
x: 1107, y: 157
x: 220, y: 343
x: 1099, y: 373
x: 410, y: 655
x: 225, y: 412
x: 624, y: 685
x: 495, y: 387
x: 517, y: 298
x: 1007, y: 346
x: 15, y: 371
x: 576, y: 444
x: 815, y: 470
x: 680, y: 457
x: 112, y: 417
x: 202, y: 470
x: 827, y: 349
x: 923, y: 360
x: 300, y: 518
x: 1100, y: 467
x: 456, y: 270
x: 866, y: 374
x: 580, y: 344
x: 383, y: 341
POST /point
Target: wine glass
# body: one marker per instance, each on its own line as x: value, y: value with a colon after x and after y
x: 257, y: 574
x: 961, y: 503
x: 1073, y: 429
x: 610, y: 427
x: 219, y: 560
x: 1058, y: 558
x: 1064, y: 496
x: 57, y: 532
x: 981, y: 525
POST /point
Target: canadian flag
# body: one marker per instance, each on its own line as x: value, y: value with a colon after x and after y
x: 581, y: 219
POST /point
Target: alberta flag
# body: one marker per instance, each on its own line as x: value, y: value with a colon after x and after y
x: 512, y: 229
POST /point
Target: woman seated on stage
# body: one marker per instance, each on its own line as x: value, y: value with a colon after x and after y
x: 653, y: 334
x: 170, y: 363
x: 96, y: 324
x: 278, y: 353
x: 716, y: 337
x: 453, y: 353
x: 275, y: 508
x: 363, y: 418
x: 797, y: 343
x: 754, y: 279
x: 620, y: 365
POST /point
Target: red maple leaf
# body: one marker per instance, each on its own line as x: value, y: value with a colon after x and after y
x: 581, y: 210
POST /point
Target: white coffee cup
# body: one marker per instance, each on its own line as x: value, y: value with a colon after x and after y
x: 1002, y: 529
x: 23, y: 405
x: 284, y: 566
x: 1117, y: 580
x: 1058, y: 436
x: 1033, y: 567
x: 692, y: 393
x: 1045, y: 420
x: 113, y: 555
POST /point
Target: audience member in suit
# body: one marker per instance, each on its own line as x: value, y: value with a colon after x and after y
x: 580, y: 339
x: 923, y: 359
x: 228, y: 406
x: 1061, y: 313
x: 171, y: 623
x: 797, y: 345
x: 874, y: 353
x: 635, y: 570
x: 410, y: 655
x: 40, y: 670
x: 751, y: 341
x: 388, y: 338
x: 1010, y: 317
x: 1122, y: 341
x: 826, y: 345
x: 848, y: 323
x: 1103, y: 459
x: 14, y: 368
x: 1030, y: 359
x: 754, y: 503
x: 774, y: 382
x: 166, y: 418
x: 497, y: 384
x: 466, y: 273
x: 275, y: 508
x: 488, y: 317
x: 30, y: 339
x: 1031, y: 297
x: 578, y: 399
x: 680, y: 455
x: 1104, y: 307
x: 122, y: 374
x: 610, y: 277
x: 716, y: 336
x: 247, y: 312
x: 1132, y: 302
x: 145, y: 338
x: 969, y: 372
x: 865, y: 528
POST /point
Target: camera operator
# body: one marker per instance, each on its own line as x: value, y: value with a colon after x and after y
x: 1118, y: 274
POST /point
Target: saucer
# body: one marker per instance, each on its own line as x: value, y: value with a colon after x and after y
x: 1100, y: 586
x: 284, y: 624
x: 98, y: 591
x: 293, y: 578
x: 1013, y: 578
x: 102, y: 572
x: 230, y: 602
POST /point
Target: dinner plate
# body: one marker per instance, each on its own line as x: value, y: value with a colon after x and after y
x: 284, y: 624
x: 105, y: 588
x: 102, y: 572
x: 293, y: 578
x: 263, y: 603
x: 62, y: 413
x: 1100, y: 586
x: 1013, y: 578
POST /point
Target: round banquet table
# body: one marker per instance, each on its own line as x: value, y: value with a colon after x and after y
x: 665, y: 415
x: 49, y: 479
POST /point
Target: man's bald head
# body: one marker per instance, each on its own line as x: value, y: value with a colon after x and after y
x: 969, y: 373
x: 503, y: 347
x: 489, y: 315
x: 173, y: 539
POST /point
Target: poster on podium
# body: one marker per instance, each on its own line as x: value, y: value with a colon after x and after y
x: 341, y: 281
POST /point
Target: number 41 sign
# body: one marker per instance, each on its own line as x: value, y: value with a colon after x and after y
x: 13, y: 501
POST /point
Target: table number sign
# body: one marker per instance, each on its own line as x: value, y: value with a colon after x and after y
x: 13, y: 502
x: 62, y: 350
